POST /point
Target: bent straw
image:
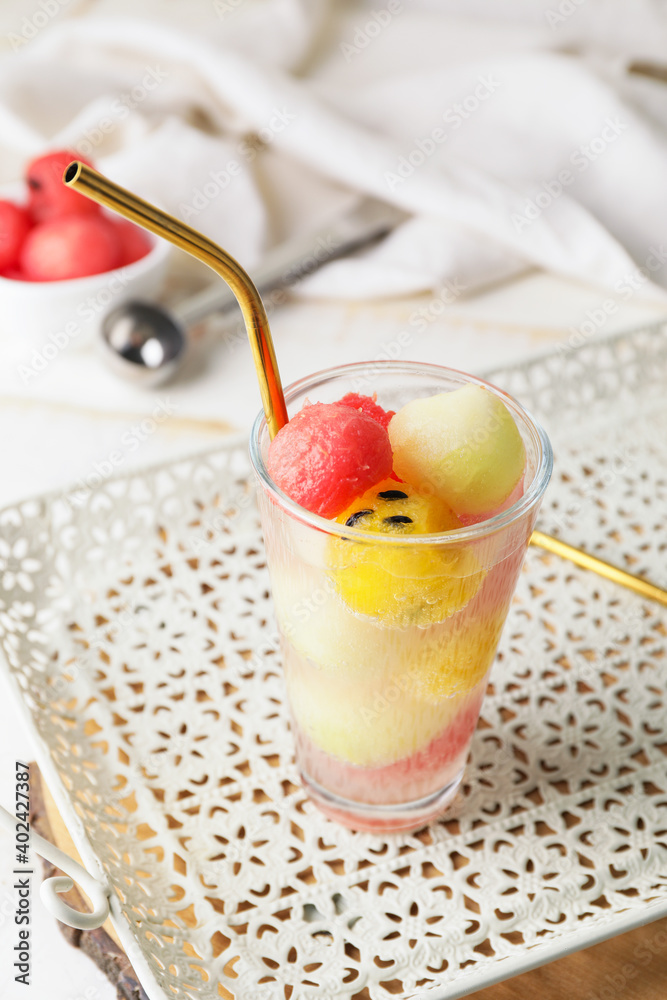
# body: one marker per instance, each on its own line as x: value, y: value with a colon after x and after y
x: 605, y: 569
x: 97, y: 187
x: 100, y: 189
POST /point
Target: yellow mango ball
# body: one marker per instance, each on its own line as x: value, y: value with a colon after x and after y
x: 402, y: 585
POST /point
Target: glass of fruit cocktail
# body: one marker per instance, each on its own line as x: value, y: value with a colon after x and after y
x: 397, y: 505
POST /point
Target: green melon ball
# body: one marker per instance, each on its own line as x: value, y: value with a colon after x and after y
x: 464, y: 446
x: 367, y: 725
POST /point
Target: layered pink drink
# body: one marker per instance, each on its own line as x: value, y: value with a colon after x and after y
x: 395, y: 534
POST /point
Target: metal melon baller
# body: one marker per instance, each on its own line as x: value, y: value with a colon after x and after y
x: 146, y: 343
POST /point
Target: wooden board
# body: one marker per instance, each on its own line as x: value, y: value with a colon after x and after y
x: 100, y: 946
x: 630, y: 967
x: 61, y: 837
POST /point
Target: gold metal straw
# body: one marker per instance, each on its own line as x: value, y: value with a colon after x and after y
x: 100, y: 189
x: 605, y: 569
x: 87, y: 181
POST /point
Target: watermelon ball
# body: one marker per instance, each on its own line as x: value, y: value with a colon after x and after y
x: 327, y: 455
x: 14, y: 274
x: 14, y: 226
x: 48, y: 196
x: 369, y: 406
x: 71, y: 247
x: 134, y: 243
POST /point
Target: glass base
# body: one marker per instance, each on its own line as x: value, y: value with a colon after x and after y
x: 381, y: 818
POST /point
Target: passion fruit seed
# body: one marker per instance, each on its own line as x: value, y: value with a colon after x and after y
x: 353, y: 518
x: 398, y: 519
x: 393, y: 495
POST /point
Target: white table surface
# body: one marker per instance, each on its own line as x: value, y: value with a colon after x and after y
x: 55, y: 430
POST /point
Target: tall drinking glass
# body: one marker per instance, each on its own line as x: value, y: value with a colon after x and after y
x: 387, y: 641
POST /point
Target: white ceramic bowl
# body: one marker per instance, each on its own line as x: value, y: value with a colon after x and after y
x: 47, y: 316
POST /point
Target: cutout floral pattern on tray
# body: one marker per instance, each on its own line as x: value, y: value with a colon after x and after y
x: 137, y: 627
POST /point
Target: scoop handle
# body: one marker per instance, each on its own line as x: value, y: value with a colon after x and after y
x: 300, y: 256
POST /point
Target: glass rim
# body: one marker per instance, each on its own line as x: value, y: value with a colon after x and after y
x: 528, y: 500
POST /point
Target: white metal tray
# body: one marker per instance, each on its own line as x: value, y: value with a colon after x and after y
x: 139, y: 643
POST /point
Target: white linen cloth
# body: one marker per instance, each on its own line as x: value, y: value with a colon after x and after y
x: 512, y: 141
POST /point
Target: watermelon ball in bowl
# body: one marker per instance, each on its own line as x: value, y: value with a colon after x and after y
x: 64, y: 265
